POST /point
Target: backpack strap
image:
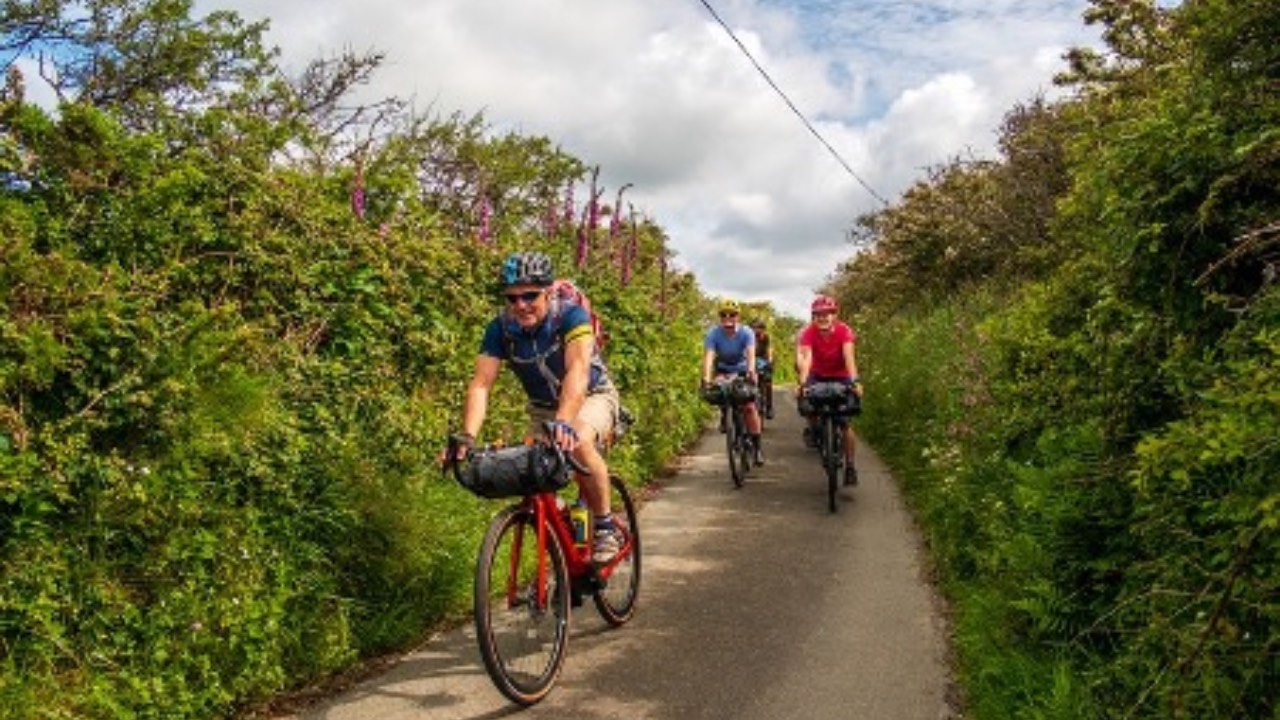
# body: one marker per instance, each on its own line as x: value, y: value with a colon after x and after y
x: 555, y: 314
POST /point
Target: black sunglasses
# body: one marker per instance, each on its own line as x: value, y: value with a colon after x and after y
x: 525, y: 297
x: 728, y: 314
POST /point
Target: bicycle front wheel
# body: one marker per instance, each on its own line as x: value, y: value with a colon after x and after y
x: 746, y: 449
x: 616, y: 600
x: 733, y: 439
x: 832, y: 457
x: 521, y: 611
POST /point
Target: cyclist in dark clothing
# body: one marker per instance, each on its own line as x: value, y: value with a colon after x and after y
x: 764, y: 363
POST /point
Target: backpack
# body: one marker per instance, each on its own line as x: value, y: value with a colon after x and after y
x: 564, y: 293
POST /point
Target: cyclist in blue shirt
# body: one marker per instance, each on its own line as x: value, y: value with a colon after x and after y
x: 549, y: 346
x: 729, y: 350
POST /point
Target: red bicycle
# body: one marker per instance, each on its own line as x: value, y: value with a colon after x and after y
x: 533, y: 568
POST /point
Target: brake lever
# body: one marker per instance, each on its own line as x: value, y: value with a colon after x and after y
x: 548, y: 427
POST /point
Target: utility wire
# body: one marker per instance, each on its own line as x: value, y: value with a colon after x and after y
x: 792, y: 105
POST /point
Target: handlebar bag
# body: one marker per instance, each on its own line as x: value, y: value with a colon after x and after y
x: 516, y: 471
x: 736, y: 391
x: 830, y: 398
x: 715, y: 394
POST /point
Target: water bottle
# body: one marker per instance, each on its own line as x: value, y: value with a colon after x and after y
x: 580, y: 519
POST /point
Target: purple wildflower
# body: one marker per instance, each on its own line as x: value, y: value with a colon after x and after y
x: 486, y: 215
x: 357, y: 196
x: 580, y: 256
x: 568, y: 202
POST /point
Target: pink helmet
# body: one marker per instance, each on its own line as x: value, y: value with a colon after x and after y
x: 822, y: 303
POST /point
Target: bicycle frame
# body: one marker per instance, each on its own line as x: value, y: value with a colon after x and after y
x: 548, y: 518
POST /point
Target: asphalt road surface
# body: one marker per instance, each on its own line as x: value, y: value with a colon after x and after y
x: 755, y: 604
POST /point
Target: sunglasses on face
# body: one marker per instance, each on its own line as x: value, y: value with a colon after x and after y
x: 728, y: 315
x: 524, y: 297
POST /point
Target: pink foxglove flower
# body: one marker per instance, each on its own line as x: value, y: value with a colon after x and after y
x: 486, y: 215
x: 550, y: 221
x: 629, y: 252
x: 568, y: 203
x: 357, y: 195
x: 615, y: 222
x: 593, y: 208
x: 580, y: 255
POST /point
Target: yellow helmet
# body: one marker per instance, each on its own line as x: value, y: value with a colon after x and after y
x: 729, y: 307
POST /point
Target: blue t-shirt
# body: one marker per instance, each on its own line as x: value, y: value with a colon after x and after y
x: 731, y: 350
x: 536, y: 355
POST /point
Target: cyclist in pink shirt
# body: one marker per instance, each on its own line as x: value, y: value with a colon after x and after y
x: 825, y: 353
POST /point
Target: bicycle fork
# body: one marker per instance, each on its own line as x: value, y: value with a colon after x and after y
x: 535, y: 597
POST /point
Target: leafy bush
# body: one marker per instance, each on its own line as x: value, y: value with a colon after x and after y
x: 1090, y: 443
x: 223, y: 386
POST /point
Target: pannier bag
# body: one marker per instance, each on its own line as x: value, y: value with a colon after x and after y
x: 830, y: 398
x: 516, y: 471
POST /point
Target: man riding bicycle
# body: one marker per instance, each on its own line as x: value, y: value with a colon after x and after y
x: 825, y: 353
x: 549, y: 346
x: 764, y: 360
x: 729, y: 351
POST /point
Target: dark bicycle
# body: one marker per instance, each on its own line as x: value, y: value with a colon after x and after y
x: 535, y: 564
x: 833, y: 402
x: 764, y: 372
x: 732, y: 397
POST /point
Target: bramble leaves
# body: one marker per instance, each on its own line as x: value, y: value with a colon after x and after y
x: 222, y: 390
x: 1097, y: 395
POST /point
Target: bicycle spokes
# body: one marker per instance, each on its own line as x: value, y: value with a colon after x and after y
x: 522, y: 633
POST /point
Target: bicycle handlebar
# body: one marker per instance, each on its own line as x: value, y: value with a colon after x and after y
x: 452, y: 463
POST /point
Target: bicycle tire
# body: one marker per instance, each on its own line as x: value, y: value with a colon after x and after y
x: 766, y: 399
x: 831, y: 456
x: 523, y: 646
x: 616, y: 601
x: 733, y: 437
x: 746, y: 450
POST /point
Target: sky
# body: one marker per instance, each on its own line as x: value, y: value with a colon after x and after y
x: 657, y: 94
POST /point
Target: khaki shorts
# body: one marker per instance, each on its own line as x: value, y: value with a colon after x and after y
x: 599, y: 411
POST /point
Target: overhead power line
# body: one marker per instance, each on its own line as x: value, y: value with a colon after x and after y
x: 792, y: 105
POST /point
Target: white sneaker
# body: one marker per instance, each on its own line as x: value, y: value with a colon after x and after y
x: 606, y: 545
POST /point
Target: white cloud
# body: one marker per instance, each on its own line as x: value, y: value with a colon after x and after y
x: 659, y: 95
x: 37, y: 91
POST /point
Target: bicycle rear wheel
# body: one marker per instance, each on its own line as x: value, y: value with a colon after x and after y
x: 616, y: 601
x: 522, y: 632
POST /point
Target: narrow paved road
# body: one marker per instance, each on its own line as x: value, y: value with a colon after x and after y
x: 756, y: 604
